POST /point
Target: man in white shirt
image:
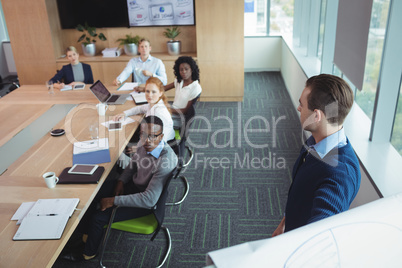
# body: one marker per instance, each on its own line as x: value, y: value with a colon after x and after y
x: 143, y: 67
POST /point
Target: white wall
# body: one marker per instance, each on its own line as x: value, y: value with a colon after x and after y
x: 262, y: 54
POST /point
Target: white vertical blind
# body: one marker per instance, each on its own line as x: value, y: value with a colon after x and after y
x: 351, y: 38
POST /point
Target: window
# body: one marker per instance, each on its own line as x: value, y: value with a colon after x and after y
x: 255, y: 17
x: 379, y: 16
x: 281, y: 17
x: 261, y: 14
x: 322, y: 28
x: 396, y: 139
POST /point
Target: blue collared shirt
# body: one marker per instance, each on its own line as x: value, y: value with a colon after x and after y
x: 136, y: 66
x: 158, y: 150
x: 338, y: 139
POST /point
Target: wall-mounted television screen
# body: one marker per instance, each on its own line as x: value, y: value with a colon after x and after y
x: 160, y: 12
x: 125, y: 13
x: 97, y: 13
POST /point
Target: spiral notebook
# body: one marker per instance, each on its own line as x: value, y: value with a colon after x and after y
x: 47, y: 219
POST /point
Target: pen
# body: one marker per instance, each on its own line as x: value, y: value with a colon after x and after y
x: 51, y: 214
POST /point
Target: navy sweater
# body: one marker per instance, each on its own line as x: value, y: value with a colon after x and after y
x: 322, y: 187
x: 66, y: 75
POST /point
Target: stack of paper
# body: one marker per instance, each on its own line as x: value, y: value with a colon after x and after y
x: 44, y: 219
x: 128, y: 86
x: 91, y: 152
x: 111, y: 52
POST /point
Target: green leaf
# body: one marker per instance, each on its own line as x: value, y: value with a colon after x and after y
x: 92, y: 31
x: 80, y: 28
x: 102, y: 37
x: 81, y: 38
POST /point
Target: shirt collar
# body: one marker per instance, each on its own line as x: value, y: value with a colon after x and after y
x: 149, y: 58
x: 338, y: 139
x: 158, y: 150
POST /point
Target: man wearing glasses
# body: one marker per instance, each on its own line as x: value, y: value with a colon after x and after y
x: 136, y: 190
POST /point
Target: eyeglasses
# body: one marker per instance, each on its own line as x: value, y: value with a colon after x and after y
x: 151, y: 137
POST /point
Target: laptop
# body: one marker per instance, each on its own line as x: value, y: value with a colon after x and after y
x: 104, y: 96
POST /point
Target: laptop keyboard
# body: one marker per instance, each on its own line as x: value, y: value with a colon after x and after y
x: 113, y: 98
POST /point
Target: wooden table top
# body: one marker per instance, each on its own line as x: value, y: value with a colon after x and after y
x: 15, y: 117
x: 23, y: 182
x: 38, y: 94
x: 37, y: 253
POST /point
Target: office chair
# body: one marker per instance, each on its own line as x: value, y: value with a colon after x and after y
x: 182, y: 133
x: 13, y: 84
x: 146, y: 225
x: 180, y: 147
x: 177, y: 149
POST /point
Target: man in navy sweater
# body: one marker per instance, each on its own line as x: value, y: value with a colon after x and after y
x: 326, y: 175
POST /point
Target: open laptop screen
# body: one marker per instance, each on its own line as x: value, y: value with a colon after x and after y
x: 100, y: 91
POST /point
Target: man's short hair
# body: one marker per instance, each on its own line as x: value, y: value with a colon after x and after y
x: 152, y: 119
x: 145, y: 40
x: 329, y: 89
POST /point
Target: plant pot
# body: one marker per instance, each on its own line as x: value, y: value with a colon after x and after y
x: 174, y: 47
x: 130, y: 49
x: 89, y: 50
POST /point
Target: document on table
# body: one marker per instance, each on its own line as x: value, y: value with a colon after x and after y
x: 66, y: 87
x: 128, y: 86
x: 91, y: 152
x: 139, y: 97
x: 46, y: 219
x: 128, y: 120
x: 90, y: 146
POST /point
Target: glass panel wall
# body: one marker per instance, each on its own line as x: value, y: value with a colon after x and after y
x: 379, y: 16
x: 281, y: 17
x: 268, y: 17
x: 396, y: 139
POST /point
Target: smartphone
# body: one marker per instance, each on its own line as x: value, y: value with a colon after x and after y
x: 115, y: 126
x: 79, y: 86
x: 83, y: 169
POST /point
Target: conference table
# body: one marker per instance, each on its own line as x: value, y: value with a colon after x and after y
x: 29, y: 113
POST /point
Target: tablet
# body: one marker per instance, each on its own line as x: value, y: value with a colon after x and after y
x: 83, y: 169
x: 115, y: 126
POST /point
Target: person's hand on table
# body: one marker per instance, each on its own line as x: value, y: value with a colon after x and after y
x: 107, y: 202
x: 140, y: 88
x: 116, y: 82
x: 119, y: 117
x: 58, y: 85
x: 119, y: 189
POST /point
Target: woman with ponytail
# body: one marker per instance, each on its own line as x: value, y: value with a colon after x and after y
x: 157, y: 106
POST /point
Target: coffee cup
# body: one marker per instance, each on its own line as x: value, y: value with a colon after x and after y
x: 50, y: 179
x: 101, y: 107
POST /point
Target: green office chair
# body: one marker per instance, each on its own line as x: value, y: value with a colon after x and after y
x: 146, y: 225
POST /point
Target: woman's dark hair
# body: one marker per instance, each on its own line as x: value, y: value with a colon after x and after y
x: 193, y: 65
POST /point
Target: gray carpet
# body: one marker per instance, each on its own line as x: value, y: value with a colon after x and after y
x: 239, y: 178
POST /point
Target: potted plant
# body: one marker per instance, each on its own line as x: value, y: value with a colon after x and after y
x: 88, y: 39
x: 174, y: 46
x: 130, y: 44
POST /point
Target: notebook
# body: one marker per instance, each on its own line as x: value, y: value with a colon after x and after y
x: 66, y: 178
x: 46, y: 219
x: 139, y: 97
x: 104, y: 96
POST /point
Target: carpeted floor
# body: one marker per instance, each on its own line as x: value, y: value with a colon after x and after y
x: 239, y: 178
